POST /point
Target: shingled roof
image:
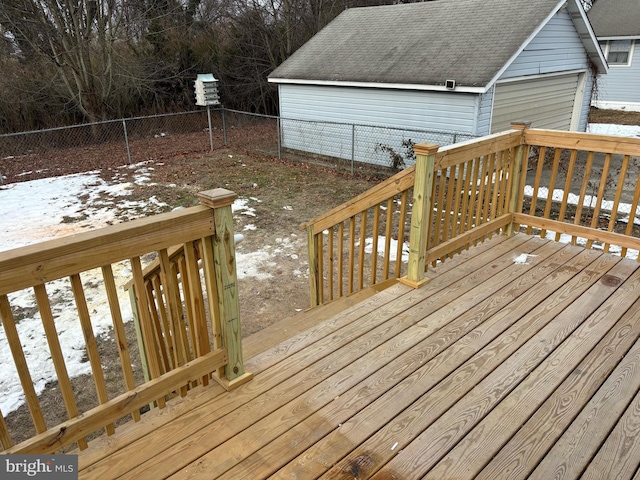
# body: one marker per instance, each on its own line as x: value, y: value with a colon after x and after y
x: 469, y: 41
x: 615, y: 18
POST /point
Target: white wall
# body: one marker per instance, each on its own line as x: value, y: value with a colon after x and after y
x: 621, y: 86
x: 334, y: 109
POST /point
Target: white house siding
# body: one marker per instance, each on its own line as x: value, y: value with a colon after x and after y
x: 621, y: 85
x: 484, y: 114
x: 319, y: 119
x: 556, y: 48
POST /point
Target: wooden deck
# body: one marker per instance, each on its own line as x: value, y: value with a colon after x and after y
x: 495, y: 369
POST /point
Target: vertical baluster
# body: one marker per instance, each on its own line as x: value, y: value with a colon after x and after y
x: 616, y: 200
x: 90, y: 343
x: 340, y: 258
x: 438, y: 235
x: 632, y: 215
x: 15, y: 345
x: 44, y: 307
x: 601, y: 189
x: 387, y: 239
x: 320, y: 265
x: 352, y: 253
x: 448, y: 209
x: 363, y: 239
x: 536, y: 185
x: 567, y: 189
x: 466, y: 197
x: 457, y: 213
x: 118, y: 330
x: 169, y: 290
x: 507, y: 180
x: 160, y: 322
x: 196, y: 304
x: 374, y: 244
x: 401, y: 230
x: 497, y: 185
x: 189, y: 330
x: 143, y: 300
x: 488, y: 185
x: 583, y: 192
x: 315, y: 282
x: 552, y: 186
x: 213, y: 301
x: 5, y: 437
x: 473, y: 198
x: 330, y: 272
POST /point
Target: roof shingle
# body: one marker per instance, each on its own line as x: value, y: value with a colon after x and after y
x: 426, y: 43
x: 615, y: 18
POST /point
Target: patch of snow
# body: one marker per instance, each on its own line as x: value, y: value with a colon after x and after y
x: 393, y: 247
x: 523, y: 258
x: 612, y: 129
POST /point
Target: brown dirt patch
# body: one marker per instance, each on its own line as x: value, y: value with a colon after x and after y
x: 614, y: 116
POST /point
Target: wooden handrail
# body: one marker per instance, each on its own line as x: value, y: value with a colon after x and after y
x: 394, y: 185
x: 461, y: 152
x: 53, y: 259
x: 583, y: 141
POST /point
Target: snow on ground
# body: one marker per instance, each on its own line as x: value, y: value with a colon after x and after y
x: 617, y: 130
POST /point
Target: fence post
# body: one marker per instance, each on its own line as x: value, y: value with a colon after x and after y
x: 519, y: 172
x: 126, y: 139
x: 224, y: 126
x: 353, y: 147
x: 421, y: 213
x: 278, y: 127
x: 210, y: 129
x: 226, y: 284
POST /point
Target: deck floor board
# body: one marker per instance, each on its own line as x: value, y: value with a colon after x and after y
x: 493, y: 369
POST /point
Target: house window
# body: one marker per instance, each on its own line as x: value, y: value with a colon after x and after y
x: 619, y: 52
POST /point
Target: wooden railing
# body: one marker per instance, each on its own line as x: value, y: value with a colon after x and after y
x: 198, y: 323
x: 583, y: 189
x: 338, y: 240
x: 464, y: 193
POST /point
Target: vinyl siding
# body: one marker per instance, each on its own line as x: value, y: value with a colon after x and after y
x: 484, y: 114
x: 320, y: 119
x: 547, y: 102
x: 622, y: 84
x: 556, y: 48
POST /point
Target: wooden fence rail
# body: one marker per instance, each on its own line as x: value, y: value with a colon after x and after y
x: 177, y: 328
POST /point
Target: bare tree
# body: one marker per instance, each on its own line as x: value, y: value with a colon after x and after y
x: 80, y: 40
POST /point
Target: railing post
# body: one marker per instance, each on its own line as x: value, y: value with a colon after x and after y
x: 519, y: 175
x: 421, y: 212
x: 224, y: 257
x: 315, y: 282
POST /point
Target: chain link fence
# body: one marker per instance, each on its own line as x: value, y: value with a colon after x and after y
x: 114, y: 143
